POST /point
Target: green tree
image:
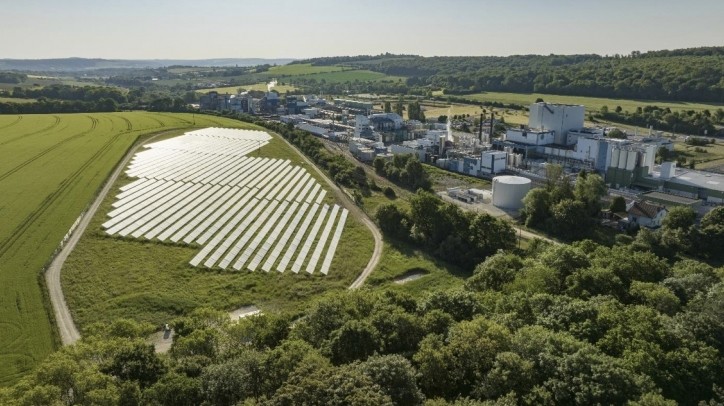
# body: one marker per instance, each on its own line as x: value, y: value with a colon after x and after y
x: 175, y: 389
x: 569, y: 219
x: 679, y: 218
x: 399, y: 106
x: 616, y: 134
x: 497, y: 271
x: 589, y: 190
x: 355, y: 340
x: 387, y: 107
x: 395, y: 376
x: 618, y: 204
x: 235, y: 380
x: 536, y: 207
x: 137, y: 362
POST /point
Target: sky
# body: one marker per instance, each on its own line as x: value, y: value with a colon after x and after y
x: 185, y: 29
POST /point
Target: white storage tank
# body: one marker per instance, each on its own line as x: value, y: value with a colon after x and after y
x: 509, y: 191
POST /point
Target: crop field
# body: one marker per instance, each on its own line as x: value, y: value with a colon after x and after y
x: 301, y: 69
x: 50, y: 168
x: 15, y: 100
x: 591, y: 103
x: 510, y: 116
x: 208, y: 255
x: 348, y: 76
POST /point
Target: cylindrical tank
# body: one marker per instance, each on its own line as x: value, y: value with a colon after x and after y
x: 509, y: 191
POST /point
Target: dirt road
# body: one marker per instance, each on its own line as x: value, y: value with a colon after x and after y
x: 63, y: 318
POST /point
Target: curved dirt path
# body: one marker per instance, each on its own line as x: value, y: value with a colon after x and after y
x: 347, y: 202
x: 63, y: 318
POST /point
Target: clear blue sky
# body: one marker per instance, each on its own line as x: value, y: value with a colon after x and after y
x: 184, y: 29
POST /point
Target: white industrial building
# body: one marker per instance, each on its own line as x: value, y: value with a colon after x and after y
x: 530, y: 136
x: 559, y: 118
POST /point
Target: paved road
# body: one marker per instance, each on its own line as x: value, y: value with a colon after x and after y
x: 350, y: 205
x: 66, y: 327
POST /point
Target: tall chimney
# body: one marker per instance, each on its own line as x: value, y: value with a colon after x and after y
x: 480, y: 133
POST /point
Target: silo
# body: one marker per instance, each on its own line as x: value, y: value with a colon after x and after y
x: 509, y: 191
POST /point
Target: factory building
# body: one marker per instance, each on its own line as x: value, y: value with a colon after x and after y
x: 387, y: 122
x: 486, y: 164
x: 558, y: 118
x: 364, y: 107
x: 215, y: 101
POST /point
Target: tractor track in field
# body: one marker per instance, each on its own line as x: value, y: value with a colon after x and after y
x: 176, y: 118
x: 63, y: 318
x: 13, y: 123
x: 129, y: 125
x: 6, y: 244
x: 161, y: 124
x: 94, y: 123
x: 50, y: 127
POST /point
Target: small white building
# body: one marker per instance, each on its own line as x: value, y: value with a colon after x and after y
x: 492, y: 162
x: 646, y: 214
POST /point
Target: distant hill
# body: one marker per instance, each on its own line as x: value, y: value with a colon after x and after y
x: 693, y: 74
x: 86, y: 64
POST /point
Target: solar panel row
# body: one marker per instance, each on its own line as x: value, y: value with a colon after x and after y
x: 203, y: 188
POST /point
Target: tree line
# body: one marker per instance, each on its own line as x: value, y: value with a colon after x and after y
x: 687, y: 122
x: 687, y: 74
x: 564, y: 324
x: 12, y: 77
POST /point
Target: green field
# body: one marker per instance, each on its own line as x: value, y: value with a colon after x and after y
x: 591, y: 103
x: 348, y: 76
x: 301, y: 69
x: 15, y: 100
x: 50, y: 168
x: 41, y: 81
x: 262, y: 87
x: 108, y: 277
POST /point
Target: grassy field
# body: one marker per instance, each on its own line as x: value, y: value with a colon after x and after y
x: 347, y: 76
x: 107, y: 277
x: 709, y: 157
x: 510, y: 116
x: 41, y: 81
x: 591, y: 103
x: 258, y: 86
x: 50, y: 168
x: 15, y: 100
x: 301, y: 69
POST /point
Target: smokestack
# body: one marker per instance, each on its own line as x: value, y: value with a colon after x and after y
x: 492, y: 116
x: 480, y: 135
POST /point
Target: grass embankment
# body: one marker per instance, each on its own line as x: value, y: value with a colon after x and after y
x: 106, y: 277
x: 51, y: 166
